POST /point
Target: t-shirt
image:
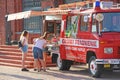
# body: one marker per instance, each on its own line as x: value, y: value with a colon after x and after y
x: 26, y: 41
x: 39, y: 43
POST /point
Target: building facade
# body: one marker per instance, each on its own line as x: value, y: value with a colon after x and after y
x: 10, y: 31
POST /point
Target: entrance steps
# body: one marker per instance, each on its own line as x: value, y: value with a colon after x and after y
x: 10, y: 55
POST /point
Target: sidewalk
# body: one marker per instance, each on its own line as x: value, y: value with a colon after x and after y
x: 13, y: 73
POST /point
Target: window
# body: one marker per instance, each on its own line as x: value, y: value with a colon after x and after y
x: 33, y: 24
x: 50, y: 27
x: 71, y: 27
x: 84, y: 23
x: 31, y: 3
x: 111, y: 22
x: 58, y: 27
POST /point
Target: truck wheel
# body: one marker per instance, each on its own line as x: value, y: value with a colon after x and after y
x: 63, y: 64
x: 95, y: 69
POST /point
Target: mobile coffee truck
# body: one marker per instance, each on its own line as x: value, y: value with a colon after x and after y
x: 88, y: 35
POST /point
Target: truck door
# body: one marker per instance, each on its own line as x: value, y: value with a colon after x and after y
x: 83, y: 37
x: 84, y: 27
x: 70, y: 36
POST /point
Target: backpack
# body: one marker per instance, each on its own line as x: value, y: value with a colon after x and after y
x: 20, y: 44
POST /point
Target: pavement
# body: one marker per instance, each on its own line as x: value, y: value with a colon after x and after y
x: 75, y: 73
x: 13, y: 73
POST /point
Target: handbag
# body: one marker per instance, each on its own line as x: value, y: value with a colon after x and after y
x: 20, y: 44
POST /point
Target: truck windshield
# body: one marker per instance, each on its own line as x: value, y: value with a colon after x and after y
x: 111, y: 22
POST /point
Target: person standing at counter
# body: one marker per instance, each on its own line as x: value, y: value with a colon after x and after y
x: 39, y: 44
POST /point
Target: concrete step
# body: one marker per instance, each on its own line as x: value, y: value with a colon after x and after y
x: 9, y: 64
x: 8, y: 46
x: 18, y: 54
x: 14, y: 53
x: 11, y: 56
x: 14, y: 46
x: 15, y: 57
x: 15, y: 61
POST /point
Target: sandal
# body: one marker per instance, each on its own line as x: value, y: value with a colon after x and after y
x: 39, y: 70
x: 44, y: 70
x: 35, y: 69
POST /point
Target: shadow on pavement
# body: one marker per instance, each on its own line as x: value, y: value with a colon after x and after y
x: 84, y: 75
x: 67, y: 75
x: 19, y: 77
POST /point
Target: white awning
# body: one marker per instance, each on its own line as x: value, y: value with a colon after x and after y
x: 19, y: 15
x: 27, y: 14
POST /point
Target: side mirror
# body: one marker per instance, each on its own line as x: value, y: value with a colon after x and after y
x: 99, y: 17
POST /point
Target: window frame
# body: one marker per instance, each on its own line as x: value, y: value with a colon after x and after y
x: 32, y: 24
x: 81, y: 22
x: 72, y: 29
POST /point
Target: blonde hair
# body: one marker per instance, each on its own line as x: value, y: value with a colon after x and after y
x: 44, y: 35
x: 24, y: 33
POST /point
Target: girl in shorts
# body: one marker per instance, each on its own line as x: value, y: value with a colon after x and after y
x: 24, y: 40
x: 39, y: 44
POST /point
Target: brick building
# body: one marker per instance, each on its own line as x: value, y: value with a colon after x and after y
x: 11, y: 30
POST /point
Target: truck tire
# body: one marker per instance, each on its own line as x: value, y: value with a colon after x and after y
x: 63, y: 64
x: 95, y: 69
x: 54, y: 58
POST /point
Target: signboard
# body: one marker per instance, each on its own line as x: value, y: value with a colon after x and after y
x: 53, y: 18
x: 80, y: 42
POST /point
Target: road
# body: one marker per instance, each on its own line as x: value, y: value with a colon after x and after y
x: 75, y: 73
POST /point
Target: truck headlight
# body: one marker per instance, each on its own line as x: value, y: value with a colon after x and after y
x: 108, y: 50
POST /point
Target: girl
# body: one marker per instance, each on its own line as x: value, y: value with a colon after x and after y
x: 24, y: 40
x: 39, y: 44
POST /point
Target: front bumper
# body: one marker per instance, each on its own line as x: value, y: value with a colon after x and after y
x: 107, y: 61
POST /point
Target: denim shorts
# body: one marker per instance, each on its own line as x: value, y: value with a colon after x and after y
x: 37, y: 53
x: 24, y: 49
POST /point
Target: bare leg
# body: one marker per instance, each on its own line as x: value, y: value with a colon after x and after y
x: 43, y: 64
x: 35, y: 65
x: 45, y: 59
x: 37, y: 62
x: 23, y: 59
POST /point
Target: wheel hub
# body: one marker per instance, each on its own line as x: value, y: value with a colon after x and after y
x: 93, y: 67
x: 59, y: 62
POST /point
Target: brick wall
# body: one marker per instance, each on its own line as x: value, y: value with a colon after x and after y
x: 2, y: 20
x: 8, y: 7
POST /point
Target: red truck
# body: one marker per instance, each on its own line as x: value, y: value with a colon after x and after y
x: 91, y: 35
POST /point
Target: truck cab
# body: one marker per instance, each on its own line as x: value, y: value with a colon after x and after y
x: 91, y: 36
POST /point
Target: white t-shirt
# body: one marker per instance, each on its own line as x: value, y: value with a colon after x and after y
x: 26, y: 41
x: 39, y: 43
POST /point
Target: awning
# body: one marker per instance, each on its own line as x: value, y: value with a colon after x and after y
x: 19, y: 15
x: 27, y: 14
